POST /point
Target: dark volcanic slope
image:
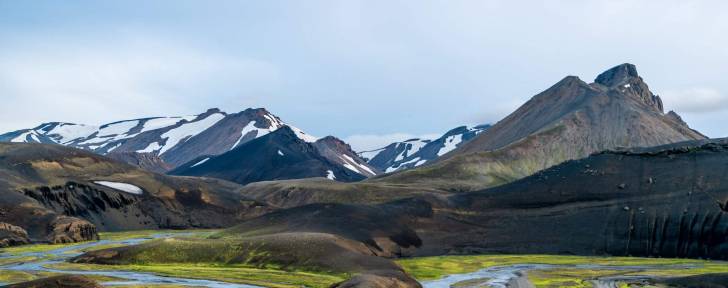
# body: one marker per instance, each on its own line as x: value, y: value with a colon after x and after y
x: 655, y: 202
x: 146, y: 161
x: 665, y: 201
x: 40, y: 183
x: 570, y: 120
x: 276, y: 156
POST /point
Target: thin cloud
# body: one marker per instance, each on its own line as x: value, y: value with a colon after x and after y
x: 131, y: 77
x: 695, y: 100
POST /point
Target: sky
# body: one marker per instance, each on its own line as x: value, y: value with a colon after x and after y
x: 370, y: 72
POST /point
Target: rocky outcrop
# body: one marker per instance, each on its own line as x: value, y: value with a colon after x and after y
x: 63, y: 281
x: 146, y: 161
x: 66, y: 229
x: 41, y: 183
x: 11, y: 235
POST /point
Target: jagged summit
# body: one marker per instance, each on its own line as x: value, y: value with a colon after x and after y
x: 617, y: 75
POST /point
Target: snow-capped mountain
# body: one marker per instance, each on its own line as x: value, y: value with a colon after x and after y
x: 279, y: 155
x: 175, y: 140
x: 415, y: 152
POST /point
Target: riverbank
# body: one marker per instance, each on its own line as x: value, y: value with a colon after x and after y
x: 551, y: 270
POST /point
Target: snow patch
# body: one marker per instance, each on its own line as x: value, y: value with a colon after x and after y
x: 125, y: 187
x: 274, y: 125
x: 330, y: 175
x: 112, y: 148
x: 22, y: 138
x: 451, y: 142
x: 201, y: 161
x: 157, y: 123
x: 118, y: 128
x: 154, y: 146
x: 281, y: 153
x: 352, y: 165
x: 302, y: 135
x: 66, y: 132
x: 188, y: 130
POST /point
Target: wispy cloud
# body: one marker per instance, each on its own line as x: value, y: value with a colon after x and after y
x: 64, y: 79
x: 695, y: 100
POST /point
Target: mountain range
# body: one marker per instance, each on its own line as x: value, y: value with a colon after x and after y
x: 416, y: 152
x: 161, y: 144
x: 570, y: 120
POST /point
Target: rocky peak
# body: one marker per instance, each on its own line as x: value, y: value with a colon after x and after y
x: 336, y: 144
x: 618, y: 75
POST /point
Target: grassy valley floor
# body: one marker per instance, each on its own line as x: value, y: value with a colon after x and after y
x: 539, y: 270
x: 238, y: 274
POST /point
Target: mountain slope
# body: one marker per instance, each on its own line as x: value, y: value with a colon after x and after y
x: 282, y: 154
x: 416, y: 152
x: 570, y: 120
x: 175, y: 140
x: 40, y: 184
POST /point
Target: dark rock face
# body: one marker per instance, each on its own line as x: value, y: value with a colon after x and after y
x: 146, y: 161
x: 63, y: 281
x: 66, y: 229
x: 617, y: 75
x: 11, y: 235
x: 670, y: 206
x: 279, y: 155
x: 661, y: 202
x: 337, y: 151
x: 51, y: 191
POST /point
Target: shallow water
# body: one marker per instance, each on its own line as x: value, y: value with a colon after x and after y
x: 500, y: 276
x: 129, y: 278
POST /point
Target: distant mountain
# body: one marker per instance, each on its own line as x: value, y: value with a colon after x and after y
x: 174, y: 140
x: 570, y: 120
x: 281, y: 154
x: 415, y: 152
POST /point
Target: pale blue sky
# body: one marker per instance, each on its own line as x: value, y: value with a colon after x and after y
x: 367, y: 71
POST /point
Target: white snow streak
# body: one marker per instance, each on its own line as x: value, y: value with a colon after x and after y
x: 125, y: 187
x: 201, y: 161
x: 188, y: 130
x: 154, y: 146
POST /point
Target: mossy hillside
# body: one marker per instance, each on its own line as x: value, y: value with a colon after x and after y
x: 224, y: 273
x: 309, y: 252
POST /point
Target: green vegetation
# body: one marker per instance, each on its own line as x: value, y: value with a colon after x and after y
x: 568, y: 277
x: 136, y: 234
x: 429, y: 268
x: 226, y: 273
